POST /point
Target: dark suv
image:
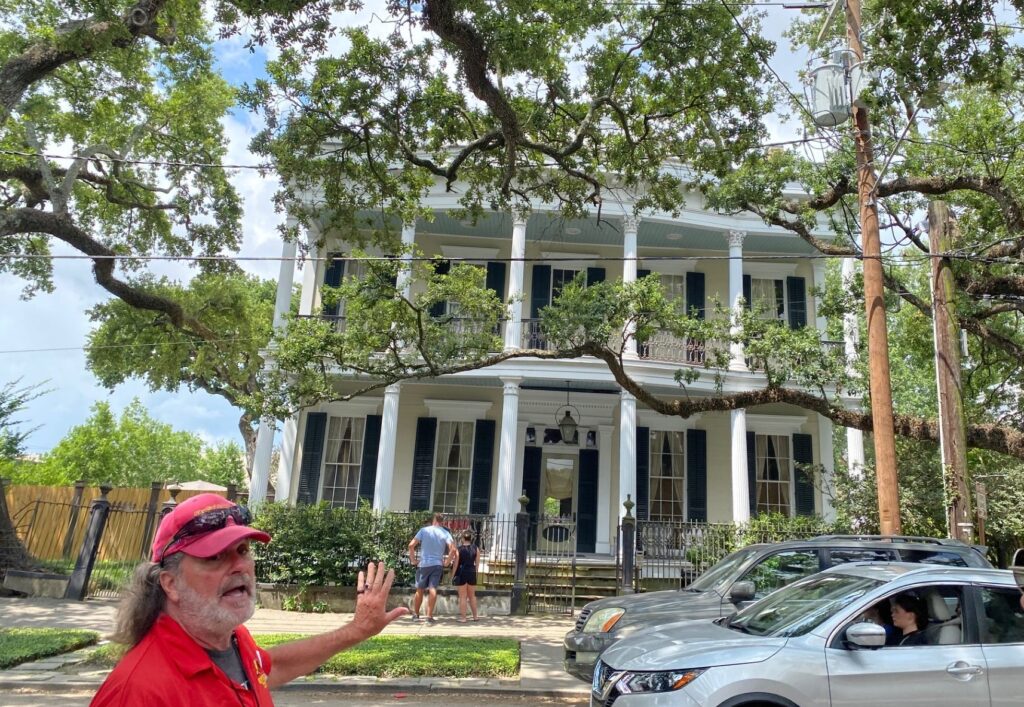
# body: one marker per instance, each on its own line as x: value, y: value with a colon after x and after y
x: 744, y: 577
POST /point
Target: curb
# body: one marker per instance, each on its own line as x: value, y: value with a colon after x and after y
x: 59, y: 682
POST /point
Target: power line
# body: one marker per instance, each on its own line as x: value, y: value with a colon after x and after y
x: 916, y: 257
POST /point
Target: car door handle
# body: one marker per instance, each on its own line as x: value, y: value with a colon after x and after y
x: 961, y: 668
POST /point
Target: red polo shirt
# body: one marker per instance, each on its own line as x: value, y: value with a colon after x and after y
x: 168, y: 668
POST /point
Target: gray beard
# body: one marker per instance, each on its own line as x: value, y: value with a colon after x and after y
x: 212, y: 617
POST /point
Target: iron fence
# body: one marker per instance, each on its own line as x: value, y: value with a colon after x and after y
x: 671, y: 554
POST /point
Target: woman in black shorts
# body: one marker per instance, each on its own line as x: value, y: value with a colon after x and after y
x: 464, y: 574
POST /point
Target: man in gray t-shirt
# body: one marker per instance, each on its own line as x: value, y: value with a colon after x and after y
x: 435, y: 544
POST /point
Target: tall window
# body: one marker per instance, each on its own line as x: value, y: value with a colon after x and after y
x: 668, y: 476
x: 675, y: 289
x: 774, y: 474
x: 559, y: 279
x: 768, y: 298
x: 452, y: 467
x: 342, y: 460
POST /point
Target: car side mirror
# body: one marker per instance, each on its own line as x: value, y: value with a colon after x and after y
x: 866, y: 635
x: 742, y: 591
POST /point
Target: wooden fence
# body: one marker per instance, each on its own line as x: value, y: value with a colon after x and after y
x: 51, y: 521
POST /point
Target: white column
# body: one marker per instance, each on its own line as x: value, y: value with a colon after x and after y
x: 627, y: 451
x: 828, y: 467
x: 505, y: 503
x: 286, y: 460
x: 265, y: 435
x: 740, y: 485
x: 386, y: 449
x: 309, y: 280
x: 514, y: 325
x: 404, y: 282
x: 630, y: 226
x: 737, y: 360
x: 603, y: 543
x: 854, y: 438
x: 820, y: 323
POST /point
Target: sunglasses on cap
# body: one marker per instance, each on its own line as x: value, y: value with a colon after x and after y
x: 207, y: 522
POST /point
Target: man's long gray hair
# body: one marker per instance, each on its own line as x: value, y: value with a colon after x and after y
x: 143, y: 601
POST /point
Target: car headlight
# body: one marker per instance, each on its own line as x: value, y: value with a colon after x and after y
x: 661, y: 681
x: 602, y: 620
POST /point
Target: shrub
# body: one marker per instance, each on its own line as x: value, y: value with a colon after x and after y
x: 323, y: 546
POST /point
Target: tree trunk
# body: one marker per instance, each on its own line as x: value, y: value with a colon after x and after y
x: 245, y: 426
x: 13, y: 554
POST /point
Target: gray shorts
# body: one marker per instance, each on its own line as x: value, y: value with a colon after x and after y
x: 429, y: 577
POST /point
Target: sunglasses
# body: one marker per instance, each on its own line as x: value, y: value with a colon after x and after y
x: 208, y: 522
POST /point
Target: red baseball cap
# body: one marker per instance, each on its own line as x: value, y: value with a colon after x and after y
x: 203, y: 526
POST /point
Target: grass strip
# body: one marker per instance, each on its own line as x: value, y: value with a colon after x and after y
x: 21, y: 645
x: 396, y: 656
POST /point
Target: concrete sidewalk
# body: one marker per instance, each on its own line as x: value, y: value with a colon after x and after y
x: 540, y: 672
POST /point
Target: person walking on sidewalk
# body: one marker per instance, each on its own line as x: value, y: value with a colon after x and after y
x: 467, y: 562
x: 182, y: 618
x: 437, y: 550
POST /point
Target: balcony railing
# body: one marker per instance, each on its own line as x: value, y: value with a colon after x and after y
x: 661, y: 346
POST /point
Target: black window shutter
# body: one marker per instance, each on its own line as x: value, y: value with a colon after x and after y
x: 797, y: 304
x: 540, y: 290
x: 332, y: 278
x: 748, y: 288
x: 752, y: 471
x: 695, y: 294
x: 697, y: 475
x: 594, y: 276
x: 531, y: 479
x: 641, y: 274
x: 423, y: 464
x: 483, y: 461
x: 496, y: 279
x: 368, y: 467
x: 586, y: 501
x: 312, y: 457
x: 643, y: 472
x: 441, y: 267
x: 804, y: 483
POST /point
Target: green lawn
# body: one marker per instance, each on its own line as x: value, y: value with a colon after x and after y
x: 399, y: 656
x: 20, y: 645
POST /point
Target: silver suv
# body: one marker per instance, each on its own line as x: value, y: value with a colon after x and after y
x: 741, y: 578
x: 817, y: 643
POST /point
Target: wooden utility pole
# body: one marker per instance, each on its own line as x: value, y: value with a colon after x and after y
x: 952, y: 430
x: 878, y: 335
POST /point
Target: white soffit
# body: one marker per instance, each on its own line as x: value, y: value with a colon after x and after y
x: 457, y: 410
x: 356, y: 407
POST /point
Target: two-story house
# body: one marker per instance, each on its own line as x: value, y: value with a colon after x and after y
x: 475, y: 442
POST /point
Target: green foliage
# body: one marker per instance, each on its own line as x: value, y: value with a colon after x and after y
x: 133, y: 450
x: 13, y: 399
x: 320, y: 545
x: 21, y: 645
x: 393, y: 656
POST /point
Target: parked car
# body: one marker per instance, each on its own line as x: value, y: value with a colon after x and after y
x: 741, y: 578
x: 810, y: 644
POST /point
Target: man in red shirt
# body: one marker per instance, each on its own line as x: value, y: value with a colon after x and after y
x: 182, y: 618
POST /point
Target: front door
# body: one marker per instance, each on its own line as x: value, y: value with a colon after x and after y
x: 558, y: 503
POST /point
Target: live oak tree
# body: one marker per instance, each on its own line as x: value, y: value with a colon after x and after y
x: 13, y: 434
x: 574, y: 104
x: 129, y: 342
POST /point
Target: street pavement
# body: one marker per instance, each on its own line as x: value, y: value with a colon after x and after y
x: 541, y: 675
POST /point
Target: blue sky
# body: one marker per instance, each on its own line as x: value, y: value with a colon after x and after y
x: 41, y: 338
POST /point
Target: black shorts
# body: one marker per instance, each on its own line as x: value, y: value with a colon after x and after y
x: 465, y: 578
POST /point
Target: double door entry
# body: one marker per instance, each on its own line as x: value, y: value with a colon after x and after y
x: 562, y: 491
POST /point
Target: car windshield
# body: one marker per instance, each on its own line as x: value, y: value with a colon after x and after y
x: 800, y: 607
x: 722, y: 571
